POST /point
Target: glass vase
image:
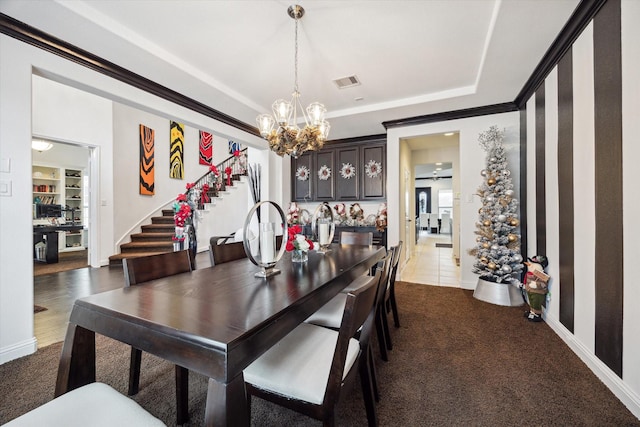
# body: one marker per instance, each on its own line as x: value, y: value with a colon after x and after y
x: 298, y: 255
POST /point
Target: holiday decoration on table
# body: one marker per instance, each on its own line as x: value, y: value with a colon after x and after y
x: 298, y: 244
x: 536, y: 282
x: 293, y: 214
x: 381, y: 217
x: 341, y: 213
x: 347, y: 171
x: 356, y: 213
x: 497, y: 249
x: 373, y: 169
x: 302, y: 173
x: 324, y: 173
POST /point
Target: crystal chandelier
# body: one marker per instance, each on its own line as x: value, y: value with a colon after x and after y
x: 288, y: 138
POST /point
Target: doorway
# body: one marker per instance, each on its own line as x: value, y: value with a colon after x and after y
x: 61, y: 180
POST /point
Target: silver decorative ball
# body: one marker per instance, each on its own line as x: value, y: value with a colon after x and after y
x: 509, y: 192
x: 506, y: 172
x: 492, y: 160
x: 483, y: 172
x: 495, y: 247
x: 490, y: 199
x: 507, y: 268
x: 502, y: 218
x: 517, y: 258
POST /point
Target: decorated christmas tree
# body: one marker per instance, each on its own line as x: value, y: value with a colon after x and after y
x: 497, y: 249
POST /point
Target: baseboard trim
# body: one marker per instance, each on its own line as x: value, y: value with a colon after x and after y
x: 613, y: 382
x: 17, y: 350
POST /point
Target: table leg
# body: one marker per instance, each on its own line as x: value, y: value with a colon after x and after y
x: 78, y: 360
x: 227, y: 403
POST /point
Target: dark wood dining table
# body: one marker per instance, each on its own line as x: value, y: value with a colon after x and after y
x: 214, y: 321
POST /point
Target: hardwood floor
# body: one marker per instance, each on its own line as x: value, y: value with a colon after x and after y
x: 58, y: 291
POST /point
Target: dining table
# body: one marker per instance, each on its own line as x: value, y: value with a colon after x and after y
x: 214, y: 321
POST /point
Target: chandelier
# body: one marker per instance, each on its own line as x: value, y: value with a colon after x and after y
x: 288, y: 138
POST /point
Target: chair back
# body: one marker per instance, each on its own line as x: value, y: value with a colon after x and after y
x: 221, y: 251
x: 358, y: 310
x: 424, y: 220
x: 150, y: 267
x: 394, y: 263
x: 356, y: 238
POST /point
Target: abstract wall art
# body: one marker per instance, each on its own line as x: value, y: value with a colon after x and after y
x: 176, y: 152
x: 147, y: 177
x: 206, y: 148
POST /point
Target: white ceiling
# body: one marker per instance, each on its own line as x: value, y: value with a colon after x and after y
x: 413, y: 57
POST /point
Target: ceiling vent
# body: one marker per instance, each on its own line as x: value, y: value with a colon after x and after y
x: 346, y: 82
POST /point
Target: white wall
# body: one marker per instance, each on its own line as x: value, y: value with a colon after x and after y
x: 472, y: 161
x: 18, y: 62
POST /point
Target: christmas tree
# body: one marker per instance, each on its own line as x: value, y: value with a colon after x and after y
x: 497, y: 249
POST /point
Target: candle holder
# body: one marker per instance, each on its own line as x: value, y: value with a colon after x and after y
x: 264, y: 252
x: 323, y: 227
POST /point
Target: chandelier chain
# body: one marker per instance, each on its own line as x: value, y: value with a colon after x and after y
x: 295, y: 84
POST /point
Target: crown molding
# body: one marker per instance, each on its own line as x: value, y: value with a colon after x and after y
x: 37, y: 38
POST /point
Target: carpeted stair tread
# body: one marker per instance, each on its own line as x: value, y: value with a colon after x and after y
x: 116, y: 260
x: 163, y: 220
x: 152, y: 236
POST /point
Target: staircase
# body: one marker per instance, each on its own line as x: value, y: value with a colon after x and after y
x: 157, y: 237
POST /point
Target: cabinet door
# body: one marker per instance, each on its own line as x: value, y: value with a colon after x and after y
x: 324, y: 185
x: 347, y: 164
x: 301, y: 170
x: 373, y: 172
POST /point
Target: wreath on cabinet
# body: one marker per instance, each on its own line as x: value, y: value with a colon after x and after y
x: 302, y: 173
x: 373, y: 169
x: 324, y: 173
x: 348, y: 171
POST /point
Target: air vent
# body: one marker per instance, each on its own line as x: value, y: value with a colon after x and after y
x: 346, y: 82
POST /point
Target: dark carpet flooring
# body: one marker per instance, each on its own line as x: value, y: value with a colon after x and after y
x: 456, y: 361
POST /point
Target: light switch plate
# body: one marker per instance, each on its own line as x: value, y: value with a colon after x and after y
x: 5, y: 187
x: 5, y: 164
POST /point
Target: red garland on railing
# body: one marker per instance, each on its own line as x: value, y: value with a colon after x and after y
x: 204, y: 196
x: 228, y: 172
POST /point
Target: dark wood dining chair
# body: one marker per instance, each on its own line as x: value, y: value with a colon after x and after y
x: 223, y: 249
x: 390, y: 298
x: 356, y: 238
x: 325, y: 361
x: 142, y: 269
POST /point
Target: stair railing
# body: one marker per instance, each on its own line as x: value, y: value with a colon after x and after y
x: 210, y: 184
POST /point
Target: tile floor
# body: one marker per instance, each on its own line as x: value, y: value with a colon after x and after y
x: 432, y: 265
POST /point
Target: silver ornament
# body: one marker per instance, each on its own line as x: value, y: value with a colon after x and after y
x: 507, y: 268
x: 506, y: 172
x: 490, y: 199
x: 517, y: 258
x: 495, y: 247
x: 492, y: 160
x: 483, y: 172
x: 509, y: 192
x: 502, y: 218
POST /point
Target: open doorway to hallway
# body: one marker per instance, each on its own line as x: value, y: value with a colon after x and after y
x: 61, y: 206
x: 432, y: 262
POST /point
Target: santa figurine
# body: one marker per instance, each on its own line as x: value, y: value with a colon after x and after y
x: 341, y: 212
x: 536, y: 283
x: 381, y: 217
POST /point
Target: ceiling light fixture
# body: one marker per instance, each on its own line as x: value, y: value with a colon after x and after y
x: 40, y: 145
x: 449, y: 134
x: 288, y: 138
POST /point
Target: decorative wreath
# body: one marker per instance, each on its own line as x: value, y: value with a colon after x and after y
x: 302, y: 173
x: 348, y: 171
x: 373, y: 169
x: 324, y: 173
